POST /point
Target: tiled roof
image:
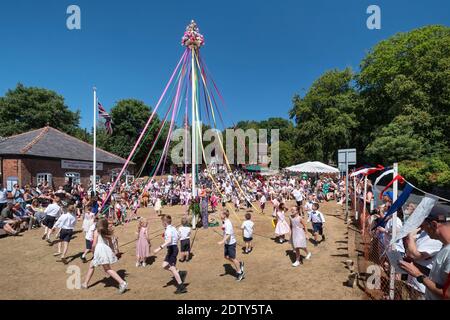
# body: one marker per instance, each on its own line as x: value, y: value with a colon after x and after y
x: 52, y: 143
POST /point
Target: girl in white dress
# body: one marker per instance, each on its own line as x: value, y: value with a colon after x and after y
x: 158, y: 206
x: 103, y: 256
x: 282, y: 227
x: 298, y: 236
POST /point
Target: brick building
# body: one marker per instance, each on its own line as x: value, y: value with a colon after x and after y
x: 50, y: 155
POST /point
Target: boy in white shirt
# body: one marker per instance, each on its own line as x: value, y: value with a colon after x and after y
x: 247, y: 230
x: 262, y: 202
x: 229, y: 242
x: 52, y: 213
x: 89, y: 238
x: 171, y: 242
x: 66, y: 223
x: 317, y: 219
x: 185, y: 241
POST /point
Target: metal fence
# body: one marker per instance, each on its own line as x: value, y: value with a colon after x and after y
x: 374, y: 269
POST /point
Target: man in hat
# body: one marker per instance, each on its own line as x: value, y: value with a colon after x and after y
x: 437, y: 283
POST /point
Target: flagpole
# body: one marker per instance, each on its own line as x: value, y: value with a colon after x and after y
x: 94, y: 166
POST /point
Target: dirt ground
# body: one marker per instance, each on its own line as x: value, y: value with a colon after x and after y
x: 30, y: 271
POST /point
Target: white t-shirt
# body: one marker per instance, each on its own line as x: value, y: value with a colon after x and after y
x: 316, y: 217
x: 171, y: 232
x: 247, y: 226
x: 228, y: 230
x: 297, y: 195
x: 262, y: 200
x: 427, y: 245
x: 185, y: 232
x: 53, y: 210
x: 90, y: 233
x: 388, y: 236
x: 3, y: 195
x: 66, y: 221
x: 439, y: 271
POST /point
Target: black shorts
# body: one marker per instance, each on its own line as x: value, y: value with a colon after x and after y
x: 171, y: 257
x: 65, y: 235
x: 49, y: 221
x: 318, y: 228
x: 2, y: 224
x: 299, y: 203
x: 230, y: 251
x: 185, y: 245
x: 88, y: 244
x: 248, y: 239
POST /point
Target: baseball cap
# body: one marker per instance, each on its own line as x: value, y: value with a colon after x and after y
x: 389, y: 194
x: 439, y: 213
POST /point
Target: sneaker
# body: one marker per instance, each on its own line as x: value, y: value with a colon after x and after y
x: 181, y: 288
x: 84, y: 287
x: 138, y: 264
x: 49, y: 241
x: 296, y: 264
x: 241, y: 264
x: 44, y: 236
x: 144, y: 264
x: 123, y: 287
x: 308, y: 256
x: 57, y: 254
x: 323, y: 237
x: 240, y: 276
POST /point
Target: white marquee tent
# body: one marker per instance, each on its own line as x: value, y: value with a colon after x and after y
x: 313, y: 167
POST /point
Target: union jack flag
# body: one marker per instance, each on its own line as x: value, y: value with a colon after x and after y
x: 108, y: 119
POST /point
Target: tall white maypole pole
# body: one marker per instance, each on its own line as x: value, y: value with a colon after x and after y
x: 94, y: 156
x: 193, y: 40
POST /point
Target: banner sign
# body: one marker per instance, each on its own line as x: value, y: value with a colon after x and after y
x: 80, y: 165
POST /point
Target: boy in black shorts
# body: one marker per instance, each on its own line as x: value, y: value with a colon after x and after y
x: 171, y: 242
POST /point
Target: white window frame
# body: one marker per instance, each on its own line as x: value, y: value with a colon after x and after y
x: 48, y: 177
x: 76, y: 179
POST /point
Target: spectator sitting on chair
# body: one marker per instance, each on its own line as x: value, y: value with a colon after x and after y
x: 17, y: 194
x: 21, y: 215
x: 6, y: 225
x: 7, y: 215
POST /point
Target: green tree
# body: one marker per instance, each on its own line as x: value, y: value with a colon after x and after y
x: 405, y: 80
x: 129, y: 117
x: 325, y: 117
x: 27, y: 108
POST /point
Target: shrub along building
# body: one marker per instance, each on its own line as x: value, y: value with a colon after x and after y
x: 50, y: 155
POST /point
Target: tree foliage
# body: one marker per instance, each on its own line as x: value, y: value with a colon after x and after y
x: 326, y: 116
x: 27, y: 108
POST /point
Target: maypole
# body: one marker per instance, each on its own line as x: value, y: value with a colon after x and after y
x: 193, y: 40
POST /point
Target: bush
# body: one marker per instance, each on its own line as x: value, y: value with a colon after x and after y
x: 426, y: 173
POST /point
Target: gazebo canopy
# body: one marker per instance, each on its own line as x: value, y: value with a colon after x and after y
x: 313, y: 167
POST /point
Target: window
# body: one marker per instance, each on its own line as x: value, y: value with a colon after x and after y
x: 115, y: 174
x: 73, y: 177
x: 44, y: 177
x: 97, y: 180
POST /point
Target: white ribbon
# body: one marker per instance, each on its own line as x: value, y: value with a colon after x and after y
x: 417, y: 218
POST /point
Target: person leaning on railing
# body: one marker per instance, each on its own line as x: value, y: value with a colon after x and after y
x: 437, y: 283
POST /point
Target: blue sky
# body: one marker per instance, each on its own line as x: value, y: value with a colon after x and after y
x: 260, y: 53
